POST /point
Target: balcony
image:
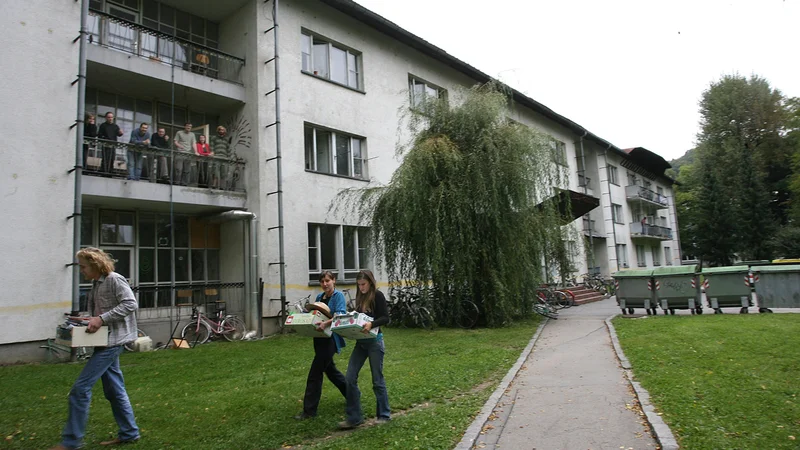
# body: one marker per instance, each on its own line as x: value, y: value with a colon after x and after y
x: 120, y: 172
x: 590, y: 229
x: 136, y: 39
x: 655, y: 232
x: 635, y: 193
x: 585, y: 182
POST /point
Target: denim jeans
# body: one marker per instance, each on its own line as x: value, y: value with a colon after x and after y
x: 103, y: 365
x: 134, y: 165
x: 374, y: 350
x: 324, y: 349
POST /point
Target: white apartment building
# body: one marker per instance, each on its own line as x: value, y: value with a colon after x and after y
x: 328, y: 121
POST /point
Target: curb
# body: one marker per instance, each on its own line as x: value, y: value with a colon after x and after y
x: 474, y: 430
x: 661, y: 430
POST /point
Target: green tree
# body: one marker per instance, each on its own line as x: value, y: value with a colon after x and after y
x: 714, y: 228
x: 466, y: 214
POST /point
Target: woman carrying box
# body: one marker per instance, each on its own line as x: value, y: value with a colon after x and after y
x: 324, y: 349
x: 370, y: 301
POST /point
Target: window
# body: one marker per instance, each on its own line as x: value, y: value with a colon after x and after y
x: 632, y: 180
x: 343, y: 257
x: 668, y: 256
x: 641, y: 256
x: 612, y: 175
x: 420, y: 91
x: 656, y: 256
x: 660, y: 191
x: 333, y: 62
x: 622, y: 255
x: 334, y: 153
x: 116, y: 228
x: 558, y: 152
x: 616, y: 213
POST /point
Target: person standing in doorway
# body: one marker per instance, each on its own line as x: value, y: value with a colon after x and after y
x: 89, y: 132
x: 160, y: 140
x: 324, y: 349
x: 222, y: 172
x: 109, y: 131
x: 372, y: 302
x: 185, y: 142
x: 203, y: 149
x: 111, y: 303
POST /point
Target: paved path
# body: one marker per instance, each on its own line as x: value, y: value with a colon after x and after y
x: 571, y: 392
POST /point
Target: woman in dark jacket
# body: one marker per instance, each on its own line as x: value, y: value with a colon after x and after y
x: 370, y: 301
x: 89, y: 132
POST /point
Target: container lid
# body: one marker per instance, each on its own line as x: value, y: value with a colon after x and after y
x: 756, y: 262
x: 688, y: 269
x: 786, y: 261
x: 773, y: 269
x: 633, y: 273
x: 726, y: 269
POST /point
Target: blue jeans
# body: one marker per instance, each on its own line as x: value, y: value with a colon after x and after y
x: 104, y: 365
x: 134, y: 165
x: 374, y: 350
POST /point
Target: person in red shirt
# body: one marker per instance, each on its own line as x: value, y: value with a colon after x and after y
x: 203, y: 149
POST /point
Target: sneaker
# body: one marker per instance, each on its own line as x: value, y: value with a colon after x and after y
x: 383, y: 420
x: 118, y: 441
x: 303, y: 416
x: 349, y: 426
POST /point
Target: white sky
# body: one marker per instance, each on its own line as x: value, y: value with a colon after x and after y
x: 630, y: 71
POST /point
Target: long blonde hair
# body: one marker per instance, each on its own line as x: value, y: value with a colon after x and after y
x: 366, y: 302
x: 97, y: 258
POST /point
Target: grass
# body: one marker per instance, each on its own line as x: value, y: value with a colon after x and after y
x: 729, y: 381
x: 243, y: 395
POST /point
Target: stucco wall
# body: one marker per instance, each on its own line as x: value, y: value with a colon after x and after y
x: 36, y: 192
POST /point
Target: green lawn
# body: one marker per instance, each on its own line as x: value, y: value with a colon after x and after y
x: 243, y: 395
x: 721, y: 381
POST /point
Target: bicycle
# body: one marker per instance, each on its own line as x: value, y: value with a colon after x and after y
x: 406, y: 311
x: 60, y: 352
x: 542, y: 307
x: 554, y: 297
x: 201, y: 327
x: 129, y: 347
x: 468, y: 314
x: 349, y: 300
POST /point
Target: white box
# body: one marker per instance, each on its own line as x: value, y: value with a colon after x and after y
x: 306, y: 324
x: 76, y: 336
x: 351, y: 325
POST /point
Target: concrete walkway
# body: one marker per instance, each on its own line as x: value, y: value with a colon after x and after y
x: 570, y: 392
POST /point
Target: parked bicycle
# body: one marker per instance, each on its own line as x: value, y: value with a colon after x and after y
x: 201, y: 327
x: 58, y: 352
x: 554, y: 297
x: 406, y: 310
x: 130, y: 345
x: 349, y: 300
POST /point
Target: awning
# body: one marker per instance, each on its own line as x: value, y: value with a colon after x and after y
x: 571, y: 204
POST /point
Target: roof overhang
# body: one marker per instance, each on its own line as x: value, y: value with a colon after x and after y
x: 571, y: 204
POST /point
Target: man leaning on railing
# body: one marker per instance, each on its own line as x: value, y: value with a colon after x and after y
x: 135, y: 157
x: 160, y: 168
x: 185, y: 142
x: 223, y: 171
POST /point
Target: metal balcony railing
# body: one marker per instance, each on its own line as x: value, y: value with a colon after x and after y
x: 152, y: 164
x: 643, y: 229
x: 639, y: 192
x: 130, y: 37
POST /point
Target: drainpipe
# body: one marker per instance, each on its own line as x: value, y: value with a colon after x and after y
x: 281, y: 255
x: 613, y: 223
x: 586, y: 191
x: 76, y: 213
x: 251, y: 263
x: 677, y: 233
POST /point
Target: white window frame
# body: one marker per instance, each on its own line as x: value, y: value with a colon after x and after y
x: 343, y: 274
x: 616, y: 213
x: 352, y: 61
x: 668, y: 256
x: 613, y: 175
x: 641, y: 256
x: 354, y: 160
x: 558, y: 152
x: 426, y: 88
x: 622, y: 255
x: 656, y: 250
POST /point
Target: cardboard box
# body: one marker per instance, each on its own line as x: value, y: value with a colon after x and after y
x: 76, y: 336
x: 306, y: 324
x: 350, y: 326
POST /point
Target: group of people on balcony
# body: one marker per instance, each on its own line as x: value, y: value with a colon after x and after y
x: 216, y: 173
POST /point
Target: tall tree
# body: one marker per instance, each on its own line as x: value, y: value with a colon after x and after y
x: 465, y: 215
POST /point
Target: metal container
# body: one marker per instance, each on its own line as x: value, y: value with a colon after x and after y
x: 777, y: 287
x: 634, y: 290
x: 676, y: 287
x: 727, y: 287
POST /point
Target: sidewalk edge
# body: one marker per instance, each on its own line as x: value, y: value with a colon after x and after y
x: 474, y: 430
x: 661, y: 431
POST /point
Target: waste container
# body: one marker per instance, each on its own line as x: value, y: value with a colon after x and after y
x: 777, y: 287
x: 676, y: 288
x: 727, y: 287
x: 634, y: 290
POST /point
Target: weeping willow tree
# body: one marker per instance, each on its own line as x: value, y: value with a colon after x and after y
x: 466, y: 215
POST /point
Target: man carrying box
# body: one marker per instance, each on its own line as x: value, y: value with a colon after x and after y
x: 111, y: 303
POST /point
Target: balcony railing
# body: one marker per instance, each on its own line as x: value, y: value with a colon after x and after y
x: 640, y: 192
x: 139, y: 162
x: 209, y: 295
x: 130, y: 37
x: 643, y: 229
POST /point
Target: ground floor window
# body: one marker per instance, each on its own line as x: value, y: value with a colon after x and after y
x: 622, y: 255
x: 641, y: 256
x: 342, y: 249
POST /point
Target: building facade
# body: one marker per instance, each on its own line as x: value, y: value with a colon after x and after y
x: 188, y: 229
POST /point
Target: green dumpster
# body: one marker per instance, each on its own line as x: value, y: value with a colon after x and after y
x: 676, y: 288
x: 777, y: 287
x: 727, y: 287
x: 634, y: 290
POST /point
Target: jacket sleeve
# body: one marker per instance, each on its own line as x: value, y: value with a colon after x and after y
x: 126, y: 302
x: 337, y: 303
x: 381, y: 310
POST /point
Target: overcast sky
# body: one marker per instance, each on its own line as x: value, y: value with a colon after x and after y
x: 629, y: 71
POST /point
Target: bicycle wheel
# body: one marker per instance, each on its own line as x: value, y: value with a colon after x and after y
x: 570, y: 297
x: 233, y: 328
x: 194, y: 333
x: 468, y: 315
x: 424, y: 318
x: 562, y: 300
x: 540, y: 306
x: 129, y: 345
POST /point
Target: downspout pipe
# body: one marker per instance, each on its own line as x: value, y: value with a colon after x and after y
x: 252, y: 267
x: 278, y: 157
x: 78, y: 203
x: 608, y: 187
x: 586, y: 191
